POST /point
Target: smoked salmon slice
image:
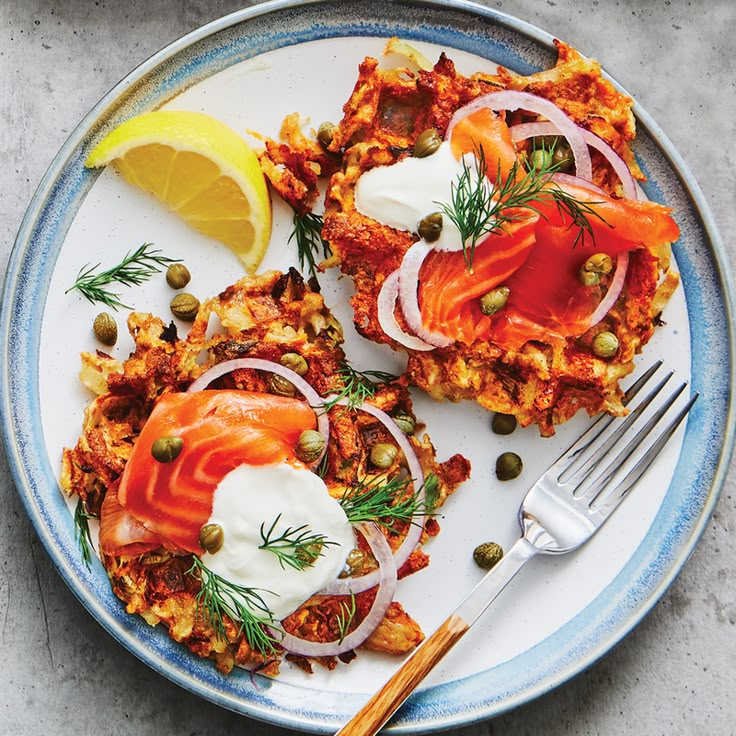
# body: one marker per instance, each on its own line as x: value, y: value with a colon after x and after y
x: 537, y: 256
x: 166, y: 504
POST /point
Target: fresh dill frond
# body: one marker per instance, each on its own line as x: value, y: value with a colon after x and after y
x: 219, y: 597
x: 307, y: 231
x: 479, y: 209
x: 297, y: 547
x: 133, y: 270
x: 82, y: 533
x: 345, y: 617
x: 357, y: 386
x: 385, y: 501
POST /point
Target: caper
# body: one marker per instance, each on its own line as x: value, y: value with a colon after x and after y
x: 211, y: 538
x: 105, y: 328
x: 405, y: 422
x: 596, y: 266
x: 503, y: 423
x: 384, y: 454
x: 325, y: 133
x: 539, y: 158
x: 355, y: 563
x: 494, y: 300
x: 486, y: 555
x: 309, y: 446
x: 167, y: 449
x: 508, y: 466
x: 430, y: 227
x: 427, y: 142
x: 562, y: 157
x: 605, y: 344
x: 294, y: 362
x: 177, y: 276
x: 185, y: 306
x: 281, y: 386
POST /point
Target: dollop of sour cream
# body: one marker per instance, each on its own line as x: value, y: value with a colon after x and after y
x: 402, y: 194
x: 251, y: 496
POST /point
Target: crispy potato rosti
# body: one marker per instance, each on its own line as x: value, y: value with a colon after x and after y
x: 262, y: 317
x: 548, y: 377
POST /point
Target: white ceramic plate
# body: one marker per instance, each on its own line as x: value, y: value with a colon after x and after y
x: 251, y: 69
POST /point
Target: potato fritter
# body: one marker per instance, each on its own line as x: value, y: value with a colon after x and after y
x: 260, y: 317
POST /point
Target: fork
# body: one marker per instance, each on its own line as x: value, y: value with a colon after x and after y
x: 563, y: 509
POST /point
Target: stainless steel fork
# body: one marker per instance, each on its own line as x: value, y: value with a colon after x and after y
x: 563, y: 509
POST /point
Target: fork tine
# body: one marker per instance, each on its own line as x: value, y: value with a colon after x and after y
x: 574, y: 463
x: 611, y: 501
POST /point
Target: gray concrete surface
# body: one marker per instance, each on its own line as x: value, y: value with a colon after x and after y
x: 62, y: 674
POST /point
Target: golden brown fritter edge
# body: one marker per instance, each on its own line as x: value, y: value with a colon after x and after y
x: 543, y: 384
x: 259, y: 317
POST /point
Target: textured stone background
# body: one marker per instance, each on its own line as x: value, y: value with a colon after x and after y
x: 63, y: 674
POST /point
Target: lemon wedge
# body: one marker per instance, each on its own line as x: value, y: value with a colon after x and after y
x: 202, y: 169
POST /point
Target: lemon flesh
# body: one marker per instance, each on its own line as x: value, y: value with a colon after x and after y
x: 199, y: 167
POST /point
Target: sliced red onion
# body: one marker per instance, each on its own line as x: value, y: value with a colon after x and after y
x: 514, y: 100
x: 408, y: 297
x: 530, y: 130
x: 414, y: 533
x: 387, y: 580
x: 614, y: 290
x: 228, y: 366
x: 576, y: 181
x: 386, y: 304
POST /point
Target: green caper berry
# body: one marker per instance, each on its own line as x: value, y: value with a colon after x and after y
x: 294, y: 362
x: 281, y: 386
x: 503, y: 423
x: 384, y: 454
x: 605, y: 344
x: 508, y: 466
x: 325, y: 133
x: 185, y: 306
x: 494, y: 300
x: 354, y: 564
x: 167, y: 449
x: 427, y: 143
x: 562, y: 158
x: 589, y: 278
x: 430, y: 227
x: 539, y: 158
x: 309, y: 446
x: 178, y: 276
x: 105, y: 328
x: 594, y: 267
x: 405, y: 422
x: 211, y: 538
x: 488, y: 554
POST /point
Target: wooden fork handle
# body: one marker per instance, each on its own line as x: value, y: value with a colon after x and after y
x: 374, y: 714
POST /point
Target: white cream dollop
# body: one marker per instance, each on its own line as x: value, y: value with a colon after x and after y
x: 251, y: 496
x: 404, y: 193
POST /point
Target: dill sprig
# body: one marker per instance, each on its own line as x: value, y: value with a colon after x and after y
x: 386, y: 501
x: 134, y: 269
x: 357, y: 386
x: 307, y: 231
x: 219, y: 597
x: 82, y: 533
x: 479, y: 209
x: 345, y: 617
x: 297, y: 547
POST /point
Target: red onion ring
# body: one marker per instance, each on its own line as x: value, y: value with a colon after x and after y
x: 414, y: 534
x: 576, y: 181
x: 530, y: 130
x: 408, y: 294
x: 387, y: 588
x: 386, y: 305
x: 614, y: 290
x: 228, y: 366
x: 513, y: 100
